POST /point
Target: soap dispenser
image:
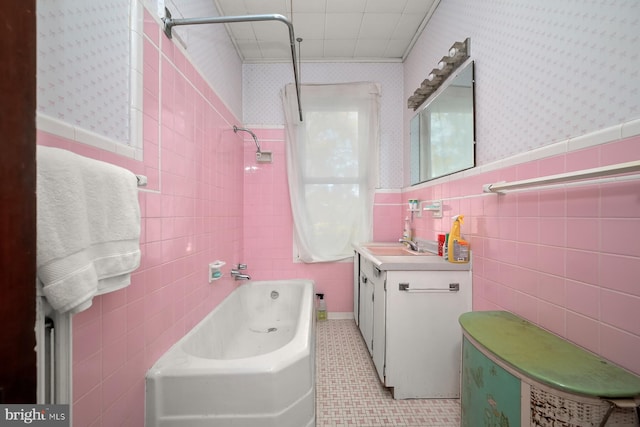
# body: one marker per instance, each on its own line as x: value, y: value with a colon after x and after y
x: 406, y: 233
x: 322, y: 307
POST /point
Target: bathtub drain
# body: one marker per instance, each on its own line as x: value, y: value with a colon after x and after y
x: 263, y: 331
x: 274, y: 294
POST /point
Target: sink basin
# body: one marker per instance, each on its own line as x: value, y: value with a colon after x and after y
x: 394, y: 256
x: 394, y: 251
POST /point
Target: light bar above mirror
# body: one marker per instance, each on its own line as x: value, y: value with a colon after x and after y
x: 458, y: 53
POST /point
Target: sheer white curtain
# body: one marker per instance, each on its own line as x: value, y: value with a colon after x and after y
x: 332, y: 166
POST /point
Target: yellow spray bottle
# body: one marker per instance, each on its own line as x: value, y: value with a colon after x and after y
x: 458, y: 248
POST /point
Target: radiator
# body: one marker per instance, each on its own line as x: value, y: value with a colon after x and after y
x: 54, y: 354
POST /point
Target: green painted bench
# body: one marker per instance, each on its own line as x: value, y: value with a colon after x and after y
x: 537, y: 356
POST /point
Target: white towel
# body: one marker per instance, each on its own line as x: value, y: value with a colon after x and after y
x: 88, y: 228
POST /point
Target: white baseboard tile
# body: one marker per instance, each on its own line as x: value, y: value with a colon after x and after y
x: 340, y: 315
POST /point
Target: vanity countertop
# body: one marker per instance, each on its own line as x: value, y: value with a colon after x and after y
x: 392, y: 256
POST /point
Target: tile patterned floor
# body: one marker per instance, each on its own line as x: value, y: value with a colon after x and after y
x: 349, y: 393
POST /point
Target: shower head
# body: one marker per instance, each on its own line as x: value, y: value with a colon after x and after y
x: 255, y: 139
x: 261, y: 156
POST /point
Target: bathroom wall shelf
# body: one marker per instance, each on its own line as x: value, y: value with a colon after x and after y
x: 414, y: 208
x: 434, y: 206
x: 215, y: 271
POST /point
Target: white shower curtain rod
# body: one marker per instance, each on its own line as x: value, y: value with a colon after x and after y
x: 169, y: 23
x: 617, y: 169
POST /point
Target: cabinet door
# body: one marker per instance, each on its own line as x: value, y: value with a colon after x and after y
x: 366, y: 311
x: 356, y: 287
x: 423, y: 333
x: 379, y: 322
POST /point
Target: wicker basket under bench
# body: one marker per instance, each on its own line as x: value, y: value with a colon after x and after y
x: 517, y: 374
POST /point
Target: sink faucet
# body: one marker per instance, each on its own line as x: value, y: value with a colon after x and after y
x: 412, y: 245
x: 238, y: 276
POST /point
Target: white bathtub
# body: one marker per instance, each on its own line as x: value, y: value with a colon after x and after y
x: 250, y: 362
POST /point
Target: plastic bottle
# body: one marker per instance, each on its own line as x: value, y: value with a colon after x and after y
x: 322, y: 307
x: 406, y: 233
x: 441, y: 240
x: 458, y: 249
x: 445, y: 248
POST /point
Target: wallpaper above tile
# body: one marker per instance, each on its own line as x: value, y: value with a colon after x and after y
x: 263, y: 83
x: 209, y: 48
x: 83, y: 64
x: 545, y: 70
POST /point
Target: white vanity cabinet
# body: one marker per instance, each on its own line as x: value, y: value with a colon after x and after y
x: 366, y: 304
x: 409, y: 321
x: 372, y: 311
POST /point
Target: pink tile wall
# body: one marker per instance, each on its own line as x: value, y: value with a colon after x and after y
x: 566, y: 259
x: 268, y: 226
x: 388, y: 220
x: 191, y: 215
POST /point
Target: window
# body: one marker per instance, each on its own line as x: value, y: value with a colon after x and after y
x: 332, y: 167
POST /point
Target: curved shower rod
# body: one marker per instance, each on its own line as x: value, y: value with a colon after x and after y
x: 169, y: 23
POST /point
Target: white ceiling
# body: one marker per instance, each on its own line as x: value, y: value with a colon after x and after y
x: 332, y: 30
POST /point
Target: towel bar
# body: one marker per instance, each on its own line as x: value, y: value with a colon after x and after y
x: 617, y: 169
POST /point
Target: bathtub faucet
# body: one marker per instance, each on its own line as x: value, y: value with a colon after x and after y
x: 238, y: 276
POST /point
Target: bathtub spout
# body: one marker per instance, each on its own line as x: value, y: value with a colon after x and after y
x: 236, y: 275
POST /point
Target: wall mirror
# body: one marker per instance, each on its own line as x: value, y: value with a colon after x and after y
x: 443, y: 131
